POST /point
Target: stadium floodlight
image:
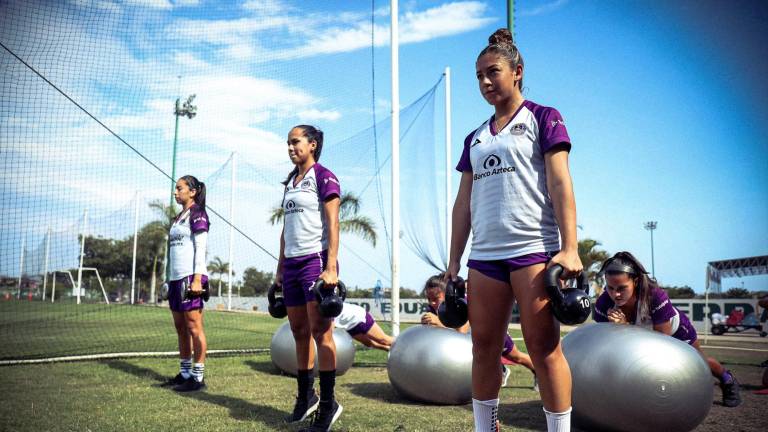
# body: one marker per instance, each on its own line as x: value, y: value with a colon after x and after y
x: 651, y: 226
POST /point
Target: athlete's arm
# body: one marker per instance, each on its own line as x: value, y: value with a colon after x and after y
x: 331, y: 209
x: 665, y: 327
x: 279, y: 271
x: 461, y: 224
x: 560, y: 190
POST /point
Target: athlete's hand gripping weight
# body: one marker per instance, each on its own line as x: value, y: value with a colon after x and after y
x: 570, y: 306
x: 453, y: 312
x: 328, y: 302
x: 188, y: 293
x: 276, y: 304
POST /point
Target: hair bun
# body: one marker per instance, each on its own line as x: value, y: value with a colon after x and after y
x: 501, y: 36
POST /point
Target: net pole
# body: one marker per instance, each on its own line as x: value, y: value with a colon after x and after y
x: 53, y: 286
x: 135, y: 245
x: 45, y: 265
x: 21, y: 263
x: 511, y: 17
x: 395, y: 168
x: 447, y: 163
x: 231, y: 233
x: 82, y: 254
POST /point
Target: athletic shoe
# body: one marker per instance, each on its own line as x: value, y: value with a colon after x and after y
x: 177, y: 380
x: 505, y: 373
x: 303, y: 409
x: 323, y: 419
x: 190, y: 385
x: 535, y: 383
x: 730, y: 390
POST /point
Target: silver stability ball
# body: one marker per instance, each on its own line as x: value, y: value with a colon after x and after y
x: 431, y: 364
x: 283, y: 350
x: 631, y: 379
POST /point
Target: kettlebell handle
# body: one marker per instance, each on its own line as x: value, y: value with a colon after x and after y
x: 271, y: 293
x: 340, y: 286
x: 455, y: 289
x: 552, y: 284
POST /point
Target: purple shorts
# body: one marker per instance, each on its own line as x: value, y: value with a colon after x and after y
x: 176, y: 300
x: 509, y: 344
x: 500, y: 269
x: 363, y: 327
x: 299, y: 274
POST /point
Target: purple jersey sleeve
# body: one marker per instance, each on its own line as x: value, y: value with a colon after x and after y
x: 198, y: 220
x: 551, y: 128
x: 327, y: 183
x: 661, y: 308
x: 465, y: 165
x: 603, y: 303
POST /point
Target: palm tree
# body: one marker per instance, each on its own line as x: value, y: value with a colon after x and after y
x: 217, y: 266
x: 349, y: 220
x: 591, y: 258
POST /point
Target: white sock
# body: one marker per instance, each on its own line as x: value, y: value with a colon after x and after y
x: 185, y: 368
x: 558, y: 422
x: 198, y: 371
x: 486, y: 415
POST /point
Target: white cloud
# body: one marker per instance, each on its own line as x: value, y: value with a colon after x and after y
x: 267, y: 7
x: 314, y: 114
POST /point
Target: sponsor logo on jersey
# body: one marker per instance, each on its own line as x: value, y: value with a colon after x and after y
x: 331, y: 179
x: 477, y: 141
x: 557, y: 122
x: 518, y: 129
x: 290, y: 207
x: 492, y: 166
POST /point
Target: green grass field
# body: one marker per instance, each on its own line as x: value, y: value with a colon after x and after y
x: 245, y: 392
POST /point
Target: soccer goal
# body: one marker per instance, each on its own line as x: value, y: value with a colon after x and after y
x: 77, y: 289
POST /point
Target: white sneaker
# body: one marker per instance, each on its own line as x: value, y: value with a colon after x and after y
x: 505, y: 375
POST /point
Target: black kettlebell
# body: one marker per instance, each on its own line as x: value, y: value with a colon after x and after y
x: 188, y: 293
x: 570, y: 306
x: 276, y: 304
x: 329, y: 303
x: 453, y: 312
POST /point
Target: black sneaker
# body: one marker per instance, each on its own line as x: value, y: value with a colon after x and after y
x: 177, y: 380
x: 323, y: 419
x: 730, y: 390
x: 303, y: 408
x: 190, y: 385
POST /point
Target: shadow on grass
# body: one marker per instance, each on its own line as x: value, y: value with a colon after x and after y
x: 238, y: 408
x: 265, y: 367
x: 382, y: 392
x: 523, y: 415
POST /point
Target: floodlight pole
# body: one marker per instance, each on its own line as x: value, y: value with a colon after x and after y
x: 394, y: 45
x: 448, y: 170
x: 231, y: 234
x: 651, y: 226
x: 511, y: 17
x: 45, y: 264
x: 135, y: 245
x: 82, y: 254
x: 21, y: 263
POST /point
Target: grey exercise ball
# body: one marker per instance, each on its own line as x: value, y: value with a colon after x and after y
x: 431, y: 364
x: 283, y: 350
x: 631, y: 379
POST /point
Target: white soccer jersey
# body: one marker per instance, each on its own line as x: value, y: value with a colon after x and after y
x: 305, y: 225
x: 185, y: 258
x: 512, y: 213
x: 351, y: 315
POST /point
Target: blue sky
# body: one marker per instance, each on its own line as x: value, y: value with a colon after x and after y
x: 665, y: 103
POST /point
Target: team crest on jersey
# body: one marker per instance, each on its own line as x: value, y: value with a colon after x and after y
x: 518, y: 129
x: 306, y: 184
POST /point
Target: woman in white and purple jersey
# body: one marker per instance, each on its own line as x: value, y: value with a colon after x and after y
x: 517, y: 198
x: 359, y: 323
x: 308, y: 248
x: 631, y: 297
x: 188, y: 243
